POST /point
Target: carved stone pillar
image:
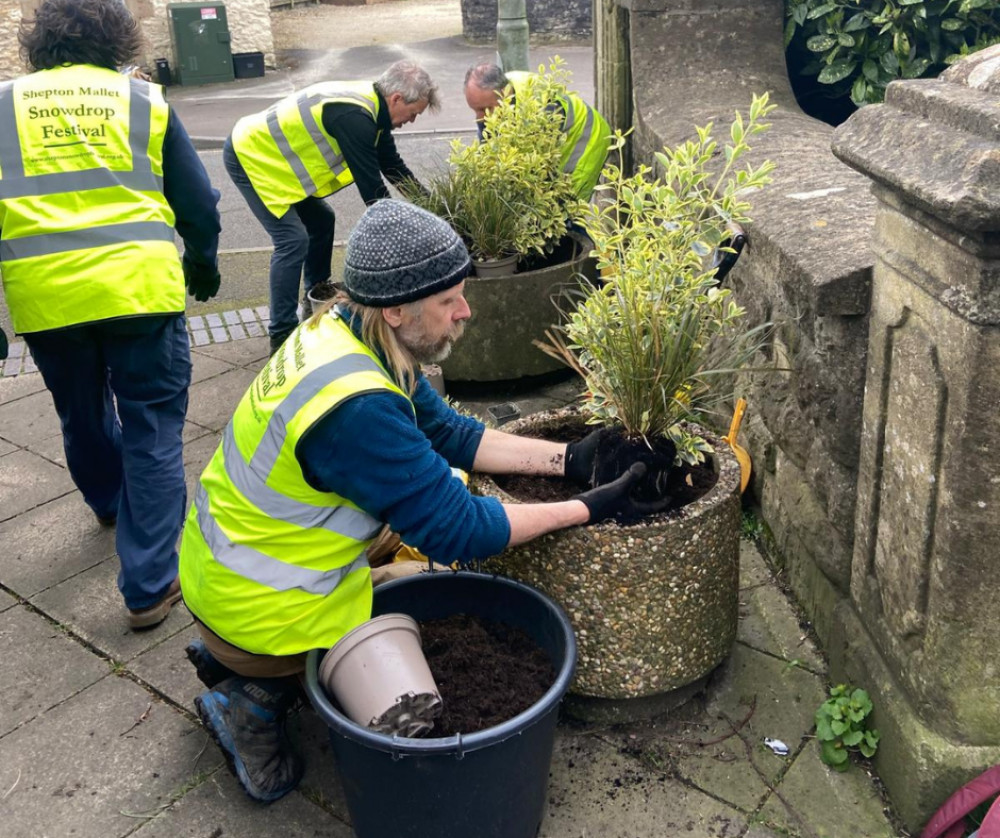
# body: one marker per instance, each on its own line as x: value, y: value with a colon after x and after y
x: 922, y: 630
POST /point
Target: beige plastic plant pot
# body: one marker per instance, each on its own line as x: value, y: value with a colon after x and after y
x: 380, y: 677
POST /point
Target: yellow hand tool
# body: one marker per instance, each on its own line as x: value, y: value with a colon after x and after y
x: 742, y: 455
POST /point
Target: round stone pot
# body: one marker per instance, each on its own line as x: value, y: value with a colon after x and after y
x: 510, y: 311
x: 653, y: 604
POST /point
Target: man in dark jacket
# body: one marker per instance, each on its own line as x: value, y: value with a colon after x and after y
x: 286, y: 159
x: 97, y: 174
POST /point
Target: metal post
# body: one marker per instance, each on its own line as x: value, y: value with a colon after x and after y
x: 512, y: 34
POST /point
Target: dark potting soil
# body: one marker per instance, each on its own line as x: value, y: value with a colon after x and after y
x: 665, y: 486
x: 486, y: 672
x: 324, y: 291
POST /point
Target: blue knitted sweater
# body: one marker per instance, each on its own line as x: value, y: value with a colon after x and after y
x: 370, y: 450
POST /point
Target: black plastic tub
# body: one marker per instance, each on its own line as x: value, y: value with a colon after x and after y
x: 489, y: 784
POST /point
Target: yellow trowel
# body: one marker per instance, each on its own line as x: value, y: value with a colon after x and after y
x: 742, y: 455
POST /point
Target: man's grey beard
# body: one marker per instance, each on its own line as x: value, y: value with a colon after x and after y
x: 427, y: 353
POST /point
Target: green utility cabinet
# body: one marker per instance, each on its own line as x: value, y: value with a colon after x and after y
x: 201, y: 41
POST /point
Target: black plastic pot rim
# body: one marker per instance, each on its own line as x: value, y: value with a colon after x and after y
x: 459, y: 744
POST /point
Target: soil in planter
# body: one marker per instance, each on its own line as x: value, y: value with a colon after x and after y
x: 487, y: 672
x: 324, y: 291
x: 674, y: 486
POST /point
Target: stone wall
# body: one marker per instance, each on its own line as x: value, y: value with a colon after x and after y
x: 807, y: 267
x: 10, y: 18
x: 249, y: 24
x: 547, y: 19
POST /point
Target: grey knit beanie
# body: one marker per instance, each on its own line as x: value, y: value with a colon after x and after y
x: 399, y: 253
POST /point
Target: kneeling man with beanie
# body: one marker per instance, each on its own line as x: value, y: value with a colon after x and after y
x: 338, y: 436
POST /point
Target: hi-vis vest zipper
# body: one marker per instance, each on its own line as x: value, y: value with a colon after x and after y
x: 588, y: 137
x: 287, y: 154
x: 85, y: 232
x: 267, y: 562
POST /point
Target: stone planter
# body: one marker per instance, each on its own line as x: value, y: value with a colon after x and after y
x: 508, y: 313
x: 653, y: 605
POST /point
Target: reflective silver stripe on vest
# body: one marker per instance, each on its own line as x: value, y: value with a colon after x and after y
x: 263, y: 569
x: 305, y: 103
x: 250, y: 478
x: 332, y: 159
x: 582, y: 143
x: 47, y: 244
x: 15, y: 184
x: 293, y: 159
x: 342, y: 520
x: 570, y: 111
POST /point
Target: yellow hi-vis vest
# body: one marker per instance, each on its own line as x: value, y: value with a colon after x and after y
x: 85, y: 232
x: 588, y: 137
x: 287, y: 153
x: 267, y: 562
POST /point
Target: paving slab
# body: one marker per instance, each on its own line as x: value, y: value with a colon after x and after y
x: 52, y: 449
x: 28, y: 480
x: 92, y: 607
x: 193, y: 431
x: 29, y: 419
x: 6, y: 601
x: 212, y: 402
x: 595, y: 790
x: 769, y: 623
x: 833, y: 804
x: 198, y: 452
x: 6, y: 447
x: 50, y: 544
x: 243, y: 353
x: 204, y: 367
x: 87, y: 766
x: 217, y: 807
x: 783, y: 701
x: 41, y: 665
x: 12, y: 389
x: 166, y: 668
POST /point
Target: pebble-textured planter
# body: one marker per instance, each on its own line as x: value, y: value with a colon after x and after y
x: 653, y: 605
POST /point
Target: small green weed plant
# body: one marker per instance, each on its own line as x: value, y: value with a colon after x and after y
x: 659, y: 341
x: 857, y: 47
x: 507, y: 193
x: 841, y: 726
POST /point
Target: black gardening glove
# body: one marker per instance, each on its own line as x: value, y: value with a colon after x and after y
x: 579, y: 465
x: 202, y: 281
x: 3, y: 345
x: 612, y: 498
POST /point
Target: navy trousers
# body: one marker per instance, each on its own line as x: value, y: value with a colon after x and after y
x: 126, y: 463
x: 303, y: 246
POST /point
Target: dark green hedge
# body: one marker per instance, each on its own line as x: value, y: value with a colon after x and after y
x: 854, y: 48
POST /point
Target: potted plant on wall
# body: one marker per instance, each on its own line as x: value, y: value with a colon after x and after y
x: 512, y: 203
x: 658, y: 344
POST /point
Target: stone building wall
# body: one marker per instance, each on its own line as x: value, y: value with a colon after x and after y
x: 10, y: 18
x: 547, y: 19
x: 249, y: 24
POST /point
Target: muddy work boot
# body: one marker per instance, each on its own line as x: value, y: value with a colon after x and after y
x: 246, y: 718
x: 210, y: 672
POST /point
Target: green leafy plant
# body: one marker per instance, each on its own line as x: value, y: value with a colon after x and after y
x: 659, y: 341
x: 507, y: 193
x: 856, y: 47
x: 841, y: 726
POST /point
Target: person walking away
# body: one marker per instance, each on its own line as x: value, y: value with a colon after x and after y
x: 587, y: 135
x: 339, y: 435
x: 287, y: 159
x: 96, y: 174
